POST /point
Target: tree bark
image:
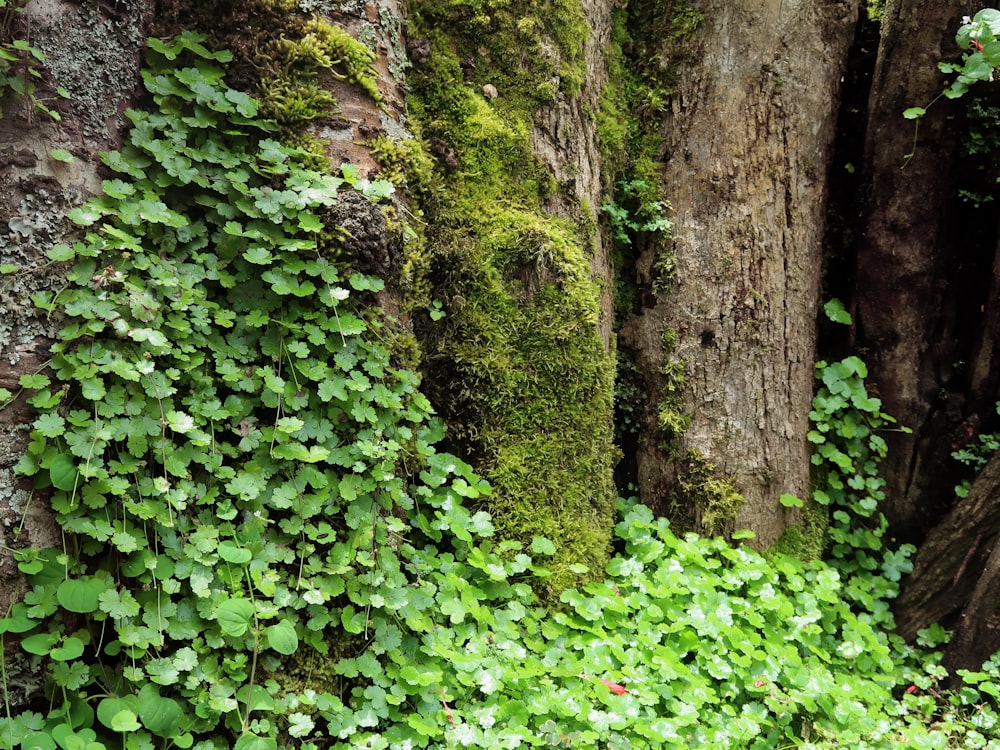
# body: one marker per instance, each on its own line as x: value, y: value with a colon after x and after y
x: 749, y: 137
x: 927, y: 320
x: 956, y: 576
x: 919, y: 292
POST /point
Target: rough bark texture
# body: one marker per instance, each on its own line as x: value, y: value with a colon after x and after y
x: 919, y: 291
x: 956, y: 575
x: 93, y: 52
x: 565, y: 140
x: 749, y: 140
x: 37, y: 191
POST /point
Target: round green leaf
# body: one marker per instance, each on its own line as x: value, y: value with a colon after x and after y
x: 62, y: 471
x: 790, y: 501
x: 19, y: 621
x: 37, y: 741
x: 109, y: 708
x: 234, y: 616
x: 137, y: 563
x: 39, y: 644
x: 161, y: 716
x: 542, y: 546
x: 80, y: 594
x: 53, y: 568
x: 233, y: 553
x: 125, y: 721
x: 282, y: 637
x: 253, y: 742
x: 70, y: 650
x: 256, y: 700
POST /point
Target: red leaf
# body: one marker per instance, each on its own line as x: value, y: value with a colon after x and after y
x: 614, y: 687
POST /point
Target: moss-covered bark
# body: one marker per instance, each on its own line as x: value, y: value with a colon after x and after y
x: 519, y: 365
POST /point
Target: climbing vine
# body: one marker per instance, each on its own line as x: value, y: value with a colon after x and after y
x: 228, y: 445
x: 20, y: 61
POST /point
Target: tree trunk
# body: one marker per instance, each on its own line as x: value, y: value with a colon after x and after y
x: 927, y: 320
x: 956, y: 577
x: 918, y: 295
x: 748, y: 136
x: 38, y: 190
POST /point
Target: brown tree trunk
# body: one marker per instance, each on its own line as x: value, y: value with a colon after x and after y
x: 748, y: 139
x: 956, y: 576
x: 94, y: 54
x: 917, y: 307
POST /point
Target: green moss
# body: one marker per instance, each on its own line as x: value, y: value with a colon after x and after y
x: 701, y: 501
x: 874, y: 8
x: 285, y: 58
x: 406, y: 164
x: 529, y: 52
x: 671, y: 421
x: 517, y: 366
x: 527, y: 382
x: 806, y: 540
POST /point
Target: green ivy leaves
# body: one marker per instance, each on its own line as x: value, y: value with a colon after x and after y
x: 228, y: 442
x: 846, y: 452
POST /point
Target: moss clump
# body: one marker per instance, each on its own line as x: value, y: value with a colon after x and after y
x: 285, y: 58
x: 875, y: 9
x: 406, y: 164
x: 530, y: 52
x: 516, y: 366
x: 671, y: 421
x: 701, y: 501
x: 806, y: 540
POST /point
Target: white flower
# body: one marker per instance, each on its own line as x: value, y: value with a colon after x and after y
x: 966, y: 20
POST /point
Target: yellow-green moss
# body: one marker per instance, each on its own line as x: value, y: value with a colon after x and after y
x: 280, y: 55
x: 295, y: 93
x: 516, y: 366
x: 808, y: 539
x: 701, y: 501
x: 671, y: 421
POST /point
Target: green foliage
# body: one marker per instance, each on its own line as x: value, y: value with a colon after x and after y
x: 979, y: 39
x: 835, y: 311
x: 638, y: 215
x: 846, y: 452
x: 980, y: 35
x: 975, y: 455
x: 637, y: 207
x: 231, y: 462
x: 19, y: 60
x: 248, y: 484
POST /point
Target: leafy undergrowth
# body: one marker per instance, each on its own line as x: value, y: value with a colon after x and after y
x: 264, y: 549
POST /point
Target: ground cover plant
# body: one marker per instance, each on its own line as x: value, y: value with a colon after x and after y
x: 263, y: 547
